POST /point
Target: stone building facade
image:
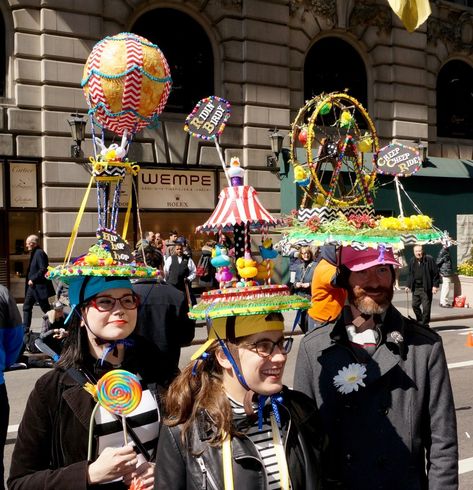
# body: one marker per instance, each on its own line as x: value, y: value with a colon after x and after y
x: 259, y: 48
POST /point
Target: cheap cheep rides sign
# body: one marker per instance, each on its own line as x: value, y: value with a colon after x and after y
x: 398, y: 160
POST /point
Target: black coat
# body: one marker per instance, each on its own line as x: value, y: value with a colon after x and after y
x: 398, y: 432
x: 162, y: 317
x: 430, y: 274
x: 178, y: 469
x: 444, y: 262
x: 51, y: 446
x: 37, y: 268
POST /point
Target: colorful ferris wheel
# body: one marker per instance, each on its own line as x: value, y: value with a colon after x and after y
x: 337, y: 164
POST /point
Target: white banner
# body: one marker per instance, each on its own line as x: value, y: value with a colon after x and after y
x: 23, y: 191
x: 176, y: 189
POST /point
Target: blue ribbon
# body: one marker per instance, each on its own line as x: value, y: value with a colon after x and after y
x: 203, y: 357
x: 275, y: 400
x: 113, y: 345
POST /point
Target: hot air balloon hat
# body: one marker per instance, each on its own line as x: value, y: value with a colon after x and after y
x: 126, y: 83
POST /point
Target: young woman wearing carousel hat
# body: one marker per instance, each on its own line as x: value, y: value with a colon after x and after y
x: 230, y: 421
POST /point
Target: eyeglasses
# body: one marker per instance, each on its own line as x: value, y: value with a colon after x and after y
x: 265, y: 348
x: 107, y: 303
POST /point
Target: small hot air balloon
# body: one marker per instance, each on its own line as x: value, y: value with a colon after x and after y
x: 126, y: 82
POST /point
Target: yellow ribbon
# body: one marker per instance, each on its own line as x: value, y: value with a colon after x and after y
x: 127, y: 217
x: 227, y: 463
x: 280, y: 456
x: 75, y: 229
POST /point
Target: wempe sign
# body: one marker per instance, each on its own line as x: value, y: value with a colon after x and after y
x: 176, y: 189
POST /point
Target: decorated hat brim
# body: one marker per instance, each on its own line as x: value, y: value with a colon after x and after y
x: 259, y: 306
x: 68, y: 273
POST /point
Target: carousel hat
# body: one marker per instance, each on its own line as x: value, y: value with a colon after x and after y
x: 237, y: 312
x: 360, y: 260
x: 233, y: 327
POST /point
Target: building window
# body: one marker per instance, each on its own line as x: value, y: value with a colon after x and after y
x: 455, y: 100
x: 190, y: 57
x: 333, y: 65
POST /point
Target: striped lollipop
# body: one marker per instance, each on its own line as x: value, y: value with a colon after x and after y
x: 119, y: 391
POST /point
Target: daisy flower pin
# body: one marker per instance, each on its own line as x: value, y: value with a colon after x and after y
x: 350, y: 378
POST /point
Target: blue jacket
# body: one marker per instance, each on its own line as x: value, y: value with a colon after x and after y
x: 11, y: 331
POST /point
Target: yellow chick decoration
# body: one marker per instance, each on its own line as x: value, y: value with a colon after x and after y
x: 320, y: 199
x: 246, y: 268
x: 366, y: 143
x: 301, y: 176
x: 346, y: 120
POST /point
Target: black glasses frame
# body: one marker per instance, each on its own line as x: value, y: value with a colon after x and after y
x: 93, y: 302
x: 284, y: 344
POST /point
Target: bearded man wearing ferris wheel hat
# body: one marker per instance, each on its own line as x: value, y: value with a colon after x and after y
x: 382, y: 386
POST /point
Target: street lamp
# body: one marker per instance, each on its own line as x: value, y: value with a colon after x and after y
x: 276, y: 139
x: 77, y: 126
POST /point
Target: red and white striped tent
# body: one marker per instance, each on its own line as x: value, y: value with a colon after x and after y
x: 236, y: 206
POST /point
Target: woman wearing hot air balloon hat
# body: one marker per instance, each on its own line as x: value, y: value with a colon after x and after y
x: 62, y: 441
x: 230, y: 422
x: 93, y: 421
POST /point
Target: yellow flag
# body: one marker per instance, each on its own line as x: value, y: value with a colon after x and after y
x: 412, y: 13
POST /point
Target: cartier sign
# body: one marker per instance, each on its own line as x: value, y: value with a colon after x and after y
x: 176, y: 189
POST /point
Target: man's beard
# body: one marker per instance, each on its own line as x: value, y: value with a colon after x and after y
x: 368, y: 306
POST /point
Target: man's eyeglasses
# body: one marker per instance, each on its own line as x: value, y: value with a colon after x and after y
x: 107, y: 303
x: 265, y: 348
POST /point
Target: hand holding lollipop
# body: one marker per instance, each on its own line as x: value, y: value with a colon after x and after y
x: 119, y: 392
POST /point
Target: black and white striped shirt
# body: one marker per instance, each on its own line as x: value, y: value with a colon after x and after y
x: 263, y: 440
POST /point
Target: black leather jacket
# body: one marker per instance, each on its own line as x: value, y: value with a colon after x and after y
x: 199, y: 466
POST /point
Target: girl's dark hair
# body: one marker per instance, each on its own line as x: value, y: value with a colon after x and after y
x: 192, y: 392
x: 75, y: 345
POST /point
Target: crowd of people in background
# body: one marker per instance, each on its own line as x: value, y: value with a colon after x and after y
x: 338, y: 282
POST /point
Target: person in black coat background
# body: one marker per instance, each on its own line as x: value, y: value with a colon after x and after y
x: 423, y: 280
x: 162, y: 317
x: 444, y: 263
x: 37, y: 288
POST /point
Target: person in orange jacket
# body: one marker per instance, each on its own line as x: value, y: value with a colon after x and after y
x: 327, y: 298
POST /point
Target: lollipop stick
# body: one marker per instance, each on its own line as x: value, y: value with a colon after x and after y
x: 125, y: 434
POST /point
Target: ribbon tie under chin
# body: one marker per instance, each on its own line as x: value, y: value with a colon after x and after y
x: 275, y: 400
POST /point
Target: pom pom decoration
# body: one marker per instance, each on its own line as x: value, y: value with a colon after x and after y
x: 126, y: 82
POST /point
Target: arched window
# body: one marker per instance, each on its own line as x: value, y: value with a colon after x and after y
x: 188, y: 51
x: 455, y: 100
x: 333, y: 65
x: 3, y: 36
